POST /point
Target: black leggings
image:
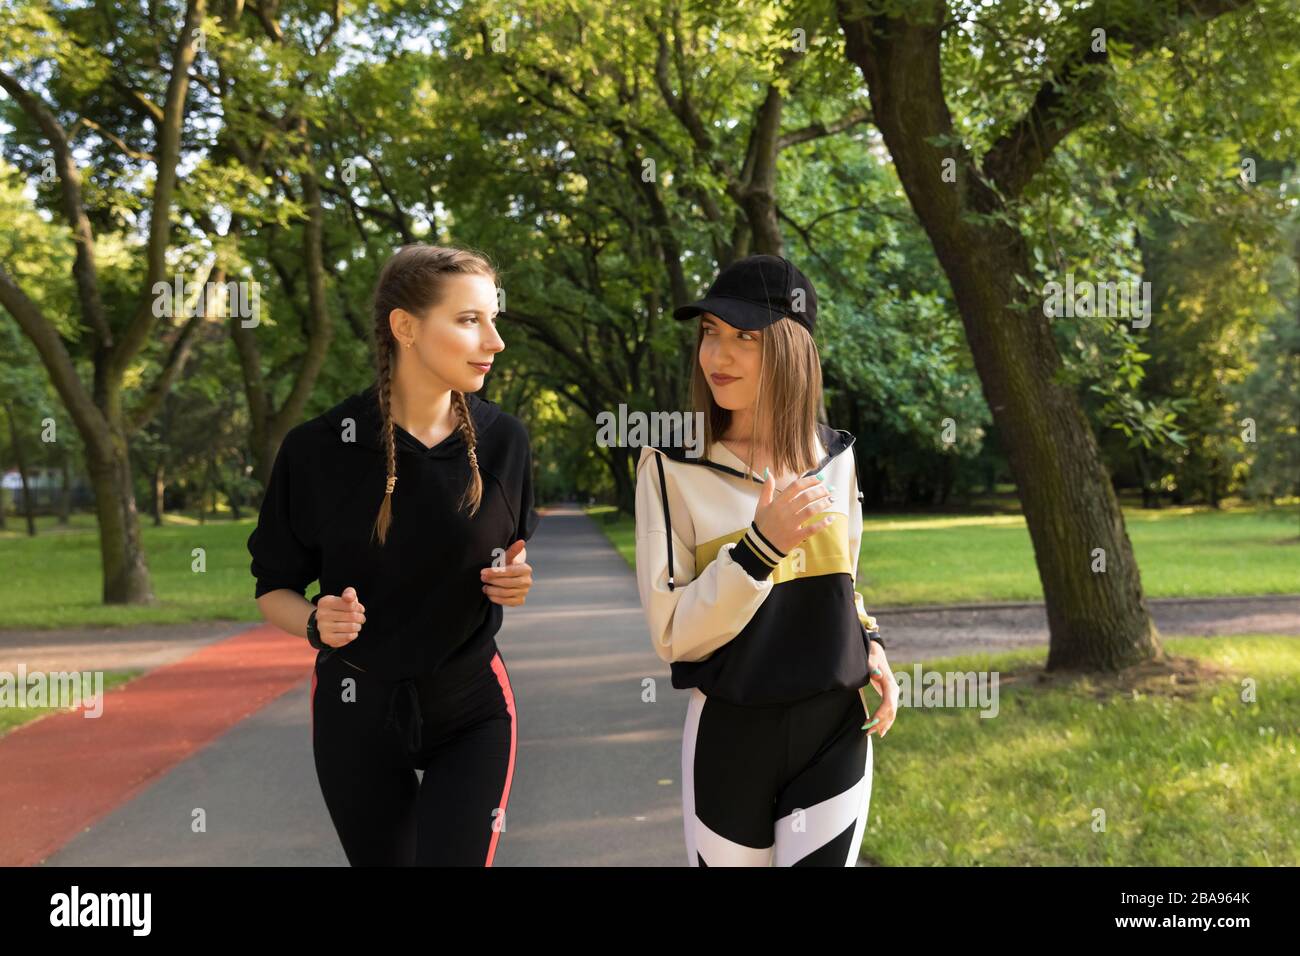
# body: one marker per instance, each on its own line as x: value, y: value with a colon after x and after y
x: 783, y: 785
x: 370, y: 736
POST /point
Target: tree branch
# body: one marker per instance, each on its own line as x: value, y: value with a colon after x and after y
x: 1062, y: 105
x: 74, y: 209
x: 112, y: 138
x: 54, y: 354
x: 821, y: 130
x: 168, y: 151
x: 178, y: 354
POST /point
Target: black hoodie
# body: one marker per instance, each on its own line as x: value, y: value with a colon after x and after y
x: 421, y: 590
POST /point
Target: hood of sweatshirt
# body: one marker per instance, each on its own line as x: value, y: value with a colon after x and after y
x: 835, y: 441
x: 733, y: 615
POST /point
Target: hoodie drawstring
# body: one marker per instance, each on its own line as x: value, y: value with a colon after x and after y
x: 668, y: 524
x: 404, y: 713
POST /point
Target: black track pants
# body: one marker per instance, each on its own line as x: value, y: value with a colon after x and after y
x: 786, y: 785
x: 369, y: 735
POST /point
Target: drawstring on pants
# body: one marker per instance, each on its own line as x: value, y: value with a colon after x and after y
x: 404, y: 713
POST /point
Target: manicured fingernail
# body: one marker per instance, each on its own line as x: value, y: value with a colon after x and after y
x: 765, y: 474
x: 871, y: 723
x: 876, y: 671
x: 830, y: 487
x: 821, y: 476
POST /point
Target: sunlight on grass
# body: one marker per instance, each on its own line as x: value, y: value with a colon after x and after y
x: 959, y: 559
x: 1181, y: 781
x: 53, y: 580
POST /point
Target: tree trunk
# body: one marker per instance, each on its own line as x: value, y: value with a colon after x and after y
x: 231, y: 489
x: 621, y: 469
x: 1097, y: 618
x: 1149, y: 497
x: 126, y: 574
x: 22, y: 470
x: 97, y: 410
x: 159, y: 489
x: 758, y: 191
x: 65, y: 490
x: 1216, y: 483
x: 947, y: 478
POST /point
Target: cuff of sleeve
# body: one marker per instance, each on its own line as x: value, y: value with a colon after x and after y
x: 267, y: 585
x: 750, y: 556
x: 763, y: 546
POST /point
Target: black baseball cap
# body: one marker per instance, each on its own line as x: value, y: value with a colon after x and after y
x: 756, y: 291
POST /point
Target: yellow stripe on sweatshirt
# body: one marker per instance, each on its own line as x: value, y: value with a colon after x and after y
x: 826, y: 552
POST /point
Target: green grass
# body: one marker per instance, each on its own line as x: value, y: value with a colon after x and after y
x: 959, y: 559
x: 1198, y: 780
x: 54, y: 579
x: 11, y: 717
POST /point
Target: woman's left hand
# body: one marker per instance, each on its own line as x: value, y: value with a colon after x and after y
x: 509, y: 585
x: 882, y: 679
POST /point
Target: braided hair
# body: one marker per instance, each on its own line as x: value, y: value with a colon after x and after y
x: 412, y: 280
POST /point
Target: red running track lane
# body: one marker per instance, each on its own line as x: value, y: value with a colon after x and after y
x: 64, y: 772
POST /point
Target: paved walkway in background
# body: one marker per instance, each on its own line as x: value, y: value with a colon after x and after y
x: 913, y: 632
x: 919, y: 633
x: 222, y: 724
x: 66, y: 771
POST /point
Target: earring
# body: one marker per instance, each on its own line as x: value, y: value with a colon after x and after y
x: 407, y: 344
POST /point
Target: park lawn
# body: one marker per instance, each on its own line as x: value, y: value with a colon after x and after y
x: 54, y: 579
x: 11, y: 717
x: 1200, y: 780
x: 960, y: 559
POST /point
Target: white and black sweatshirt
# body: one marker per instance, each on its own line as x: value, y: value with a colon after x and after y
x: 733, y: 615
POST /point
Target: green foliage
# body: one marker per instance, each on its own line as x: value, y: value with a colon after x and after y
x: 524, y: 129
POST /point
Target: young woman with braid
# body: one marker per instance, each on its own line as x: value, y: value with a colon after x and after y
x: 410, y: 502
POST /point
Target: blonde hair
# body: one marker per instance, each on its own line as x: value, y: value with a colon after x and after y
x: 788, y: 402
x: 412, y: 279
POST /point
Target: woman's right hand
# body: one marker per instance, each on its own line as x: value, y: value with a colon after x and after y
x: 778, y: 517
x: 339, y: 618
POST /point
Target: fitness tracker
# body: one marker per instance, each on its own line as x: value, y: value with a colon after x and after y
x: 874, y: 636
x: 313, y: 633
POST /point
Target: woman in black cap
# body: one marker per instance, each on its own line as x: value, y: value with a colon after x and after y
x: 746, y: 561
x: 410, y: 502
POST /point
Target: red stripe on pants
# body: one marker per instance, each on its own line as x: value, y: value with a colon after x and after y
x: 499, y: 668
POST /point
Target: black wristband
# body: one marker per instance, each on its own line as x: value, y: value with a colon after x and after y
x: 313, y: 633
